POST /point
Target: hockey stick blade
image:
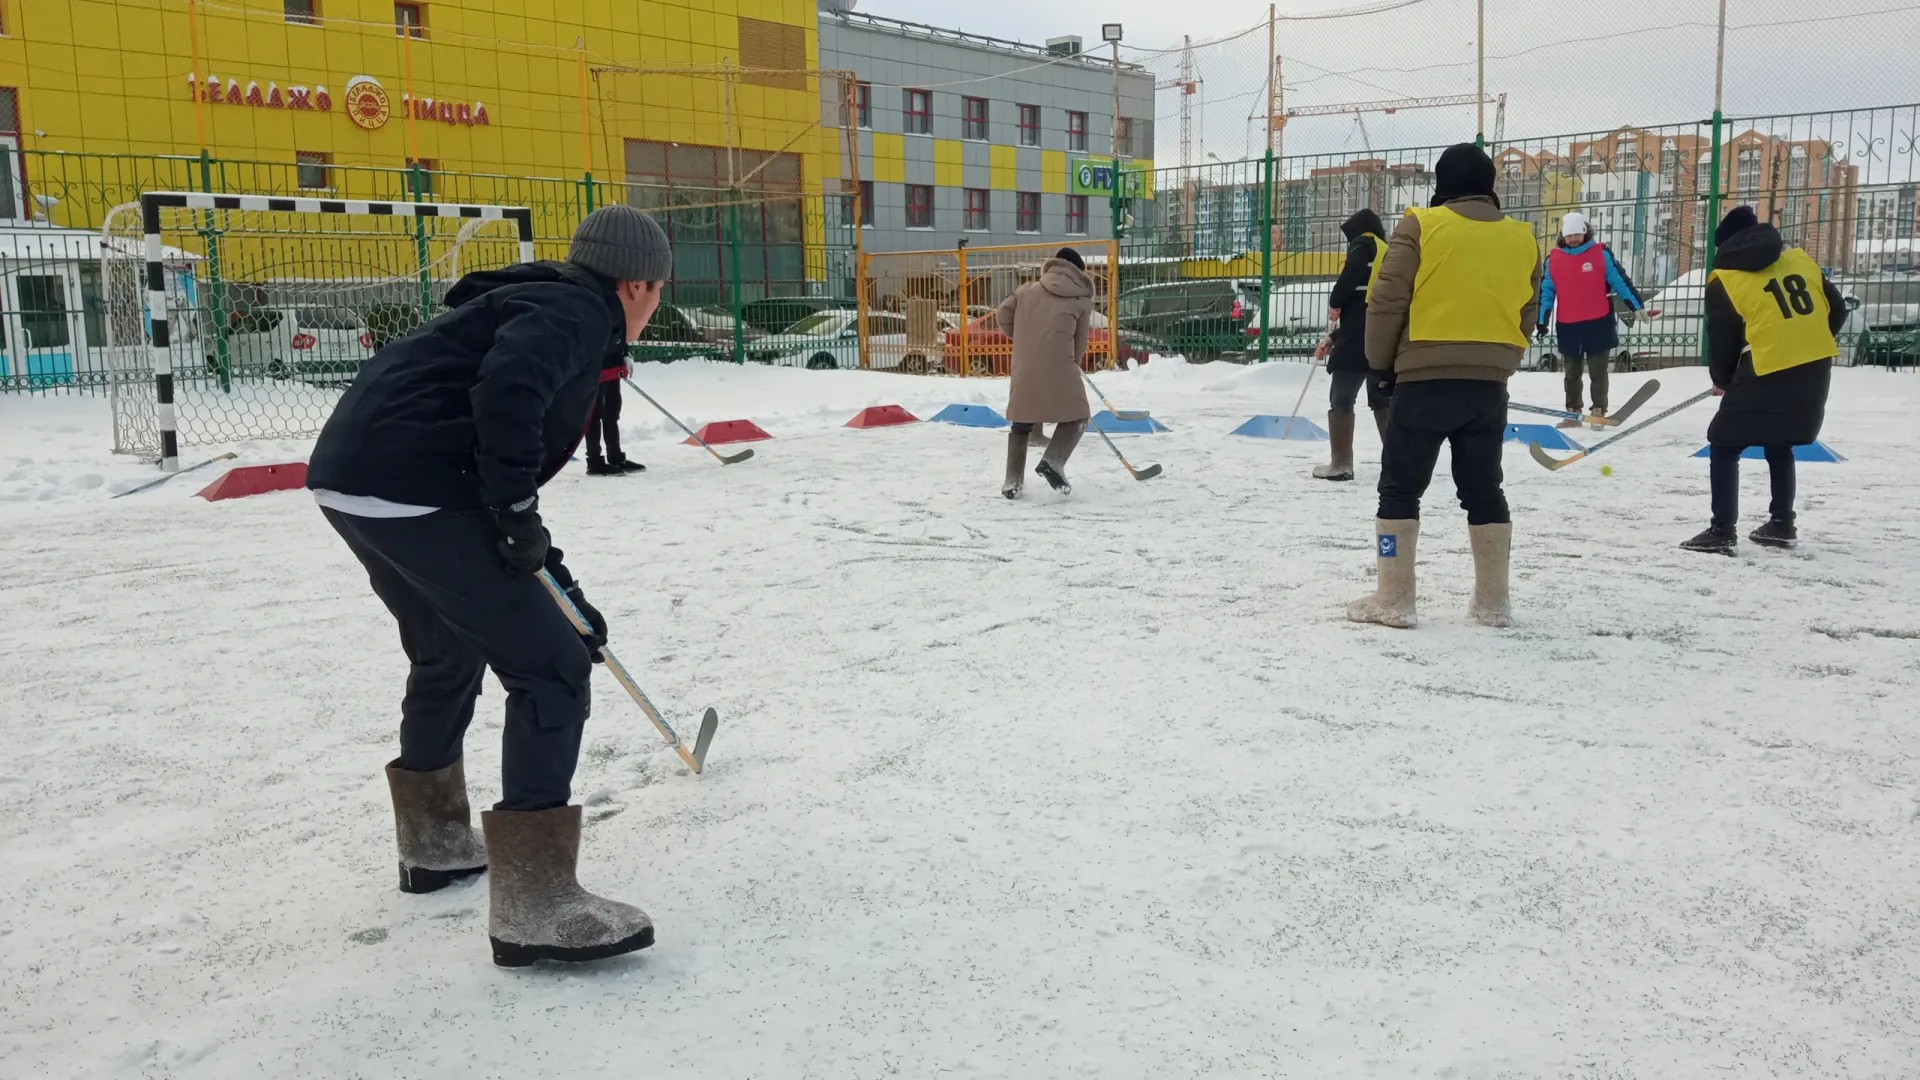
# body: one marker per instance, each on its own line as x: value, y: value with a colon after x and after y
x: 1147, y: 473
x: 1130, y: 414
x: 704, y: 739
x: 1549, y: 460
x: 724, y: 459
x: 151, y: 484
x: 1640, y: 397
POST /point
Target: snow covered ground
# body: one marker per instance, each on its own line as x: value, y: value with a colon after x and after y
x: 1102, y: 786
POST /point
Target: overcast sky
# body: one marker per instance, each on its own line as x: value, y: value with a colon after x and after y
x: 1861, y: 53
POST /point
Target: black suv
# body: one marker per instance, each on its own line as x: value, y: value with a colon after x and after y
x: 1202, y: 319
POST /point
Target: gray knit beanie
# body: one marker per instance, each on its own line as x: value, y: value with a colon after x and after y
x: 622, y: 243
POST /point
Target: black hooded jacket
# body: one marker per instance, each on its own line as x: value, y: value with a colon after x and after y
x: 485, y: 403
x: 1349, y: 295
x: 1787, y: 407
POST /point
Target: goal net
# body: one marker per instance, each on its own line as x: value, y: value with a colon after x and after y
x: 232, y: 318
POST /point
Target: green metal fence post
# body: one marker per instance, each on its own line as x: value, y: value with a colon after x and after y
x: 733, y: 274
x: 1713, y: 219
x: 216, y: 290
x: 418, y: 176
x: 1266, y: 256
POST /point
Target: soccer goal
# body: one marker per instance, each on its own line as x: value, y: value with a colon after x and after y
x: 235, y: 318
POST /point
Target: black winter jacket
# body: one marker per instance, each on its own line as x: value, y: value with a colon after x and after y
x: 1349, y: 295
x: 482, y: 405
x: 1785, y: 408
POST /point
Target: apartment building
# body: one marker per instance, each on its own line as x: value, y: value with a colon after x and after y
x: 965, y: 137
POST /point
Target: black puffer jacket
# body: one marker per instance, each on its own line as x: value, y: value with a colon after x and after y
x: 1785, y: 408
x: 1349, y: 293
x: 485, y: 403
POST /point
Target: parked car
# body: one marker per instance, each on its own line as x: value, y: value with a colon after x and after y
x: 830, y: 340
x: 671, y: 336
x: 718, y: 323
x: 1202, y: 319
x: 1297, y: 312
x: 776, y: 313
x: 1889, y: 315
x: 987, y: 351
x: 315, y: 344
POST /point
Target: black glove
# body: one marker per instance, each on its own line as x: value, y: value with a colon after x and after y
x: 1540, y: 332
x: 597, y: 636
x: 1383, y: 381
x: 523, y: 539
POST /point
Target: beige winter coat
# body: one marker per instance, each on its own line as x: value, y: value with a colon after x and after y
x: 1389, y: 346
x: 1049, y: 321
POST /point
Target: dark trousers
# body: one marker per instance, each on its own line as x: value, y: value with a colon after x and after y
x: 1346, y: 390
x: 1596, y: 366
x: 606, y: 423
x: 460, y: 613
x: 1468, y: 414
x: 1725, y: 467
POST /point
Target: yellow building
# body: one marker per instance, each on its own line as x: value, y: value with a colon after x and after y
x: 318, y: 91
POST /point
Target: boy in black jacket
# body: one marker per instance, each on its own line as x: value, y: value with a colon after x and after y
x: 1771, y: 320
x: 430, y: 469
x: 1345, y: 349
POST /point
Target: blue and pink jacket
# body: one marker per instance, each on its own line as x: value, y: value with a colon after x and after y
x: 1578, y: 282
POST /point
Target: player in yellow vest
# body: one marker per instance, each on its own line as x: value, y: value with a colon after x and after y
x: 1771, y: 320
x: 1448, y: 319
x: 1345, y: 349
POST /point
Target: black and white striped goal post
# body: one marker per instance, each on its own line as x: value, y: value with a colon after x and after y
x: 153, y: 202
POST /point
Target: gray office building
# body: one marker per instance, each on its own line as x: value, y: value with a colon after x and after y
x: 969, y: 137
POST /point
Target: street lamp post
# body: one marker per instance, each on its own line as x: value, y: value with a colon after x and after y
x: 1111, y: 33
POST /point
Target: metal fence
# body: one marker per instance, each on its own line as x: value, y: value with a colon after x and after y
x: 1234, y: 259
x: 1230, y: 260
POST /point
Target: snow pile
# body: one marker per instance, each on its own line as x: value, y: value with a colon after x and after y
x: 1100, y: 786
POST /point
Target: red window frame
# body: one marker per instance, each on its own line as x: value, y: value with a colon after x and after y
x: 863, y: 105
x: 1076, y: 215
x: 978, y: 216
x: 1027, y: 220
x: 1029, y: 125
x: 919, y: 206
x: 1077, y: 131
x: 917, y: 112
x: 973, y: 119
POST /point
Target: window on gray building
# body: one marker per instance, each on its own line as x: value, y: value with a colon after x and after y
x: 1076, y: 215
x: 918, y: 113
x: 974, y: 118
x: 920, y: 205
x: 1077, y: 131
x: 1028, y: 219
x: 863, y: 105
x: 1029, y: 125
x: 977, y: 210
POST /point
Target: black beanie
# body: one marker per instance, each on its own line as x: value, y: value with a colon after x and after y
x: 1737, y: 219
x: 1071, y: 256
x: 1462, y: 171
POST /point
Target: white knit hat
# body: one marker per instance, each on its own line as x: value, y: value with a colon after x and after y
x: 1574, y: 224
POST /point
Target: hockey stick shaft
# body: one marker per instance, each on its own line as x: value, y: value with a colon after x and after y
x: 1640, y: 397
x: 1148, y: 473
x: 1299, y: 401
x: 619, y: 670
x: 1561, y: 463
x: 724, y: 460
x: 1130, y: 414
x: 156, y: 483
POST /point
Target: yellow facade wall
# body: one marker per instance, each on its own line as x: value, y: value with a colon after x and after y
x: 112, y: 77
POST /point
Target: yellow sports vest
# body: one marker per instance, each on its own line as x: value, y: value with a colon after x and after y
x: 1379, y: 257
x: 1785, y: 308
x: 1474, y: 278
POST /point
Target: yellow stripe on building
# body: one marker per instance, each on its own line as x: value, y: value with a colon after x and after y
x: 947, y: 171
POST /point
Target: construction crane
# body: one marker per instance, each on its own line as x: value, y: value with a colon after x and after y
x: 1189, y: 85
x: 1390, y: 106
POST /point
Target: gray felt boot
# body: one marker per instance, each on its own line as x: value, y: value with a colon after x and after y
x: 539, y: 910
x: 434, y: 827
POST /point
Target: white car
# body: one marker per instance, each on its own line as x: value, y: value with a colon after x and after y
x: 830, y: 340
x: 325, y: 344
x: 1669, y: 328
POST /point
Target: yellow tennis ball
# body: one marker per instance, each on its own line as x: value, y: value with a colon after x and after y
x: 1606, y: 470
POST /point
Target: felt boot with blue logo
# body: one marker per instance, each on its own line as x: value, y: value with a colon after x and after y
x: 1392, y: 601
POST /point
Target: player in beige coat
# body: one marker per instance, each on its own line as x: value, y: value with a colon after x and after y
x: 1049, y: 321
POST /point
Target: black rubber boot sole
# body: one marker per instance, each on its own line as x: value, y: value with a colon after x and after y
x: 415, y: 879
x: 1052, y: 476
x: 508, y: 954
